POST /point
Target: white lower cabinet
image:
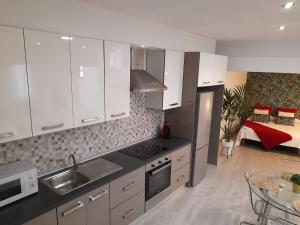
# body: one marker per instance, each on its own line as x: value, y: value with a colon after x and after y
x: 117, y: 80
x: 97, y: 206
x: 87, y: 66
x: 49, y: 78
x: 15, y: 120
x: 49, y: 218
x: 180, y: 177
x: 128, y: 211
x: 72, y: 213
x: 181, y: 167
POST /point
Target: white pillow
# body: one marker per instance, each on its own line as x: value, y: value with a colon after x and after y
x: 286, y: 114
x: 261, y: 111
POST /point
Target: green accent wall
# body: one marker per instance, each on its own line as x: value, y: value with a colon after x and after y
x: 276, y: 89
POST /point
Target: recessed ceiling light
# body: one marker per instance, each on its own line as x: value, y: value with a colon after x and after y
x: 282, y: 27
x: 143, y: 46
x: 66, y: 38
x: 288, y: 5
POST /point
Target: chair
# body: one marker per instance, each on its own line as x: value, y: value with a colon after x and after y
x: 263, y: 212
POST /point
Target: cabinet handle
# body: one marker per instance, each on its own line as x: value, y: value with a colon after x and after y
x: 78, y: 206
x: 94, y: 198
x: 206, y: 82
x: 220, y: 81
x: 90, y: 120
x: 53, y: 126
x: 173, y: 104
x: 180, y: 178
x: 180, y: 158
x: 129, y: 186
x: 7, y: 135
x: 118, y: 115
x: 130, y: 212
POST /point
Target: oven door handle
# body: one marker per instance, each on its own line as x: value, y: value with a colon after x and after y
x: 155, y: 171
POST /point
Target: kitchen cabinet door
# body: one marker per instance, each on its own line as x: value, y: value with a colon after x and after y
x: 173, y: 78
x: 220, y: 69
x: 87, y: 66
x: 206, y: 70
x: 72, y: 213
x: 117, y: 80
x: 97, y: 206
x: 127, y: 186
x: 14, y: 100
x: 129, y: 210
x: 49, y: 78
x: 49, y: 218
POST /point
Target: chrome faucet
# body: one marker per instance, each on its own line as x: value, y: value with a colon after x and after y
x: 71, y: 156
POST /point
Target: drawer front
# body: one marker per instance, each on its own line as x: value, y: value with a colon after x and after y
x: 129, y: 210
x: 181, y: 157
x: 72, y: 213
x: 48, y: 218
x: 127, y: 186
x: 97, y: 206
x: 180, y: 177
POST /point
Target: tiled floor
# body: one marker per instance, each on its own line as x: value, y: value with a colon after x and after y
x: 222, y: 198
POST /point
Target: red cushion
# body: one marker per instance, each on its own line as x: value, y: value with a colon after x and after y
x: 287, y: 110
x: 267, y: 107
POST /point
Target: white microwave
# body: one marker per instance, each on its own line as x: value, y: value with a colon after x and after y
x: 17, y: 180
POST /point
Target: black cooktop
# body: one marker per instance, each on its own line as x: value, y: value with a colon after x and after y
x: 144, y: 150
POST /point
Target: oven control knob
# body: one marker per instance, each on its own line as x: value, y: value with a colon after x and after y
x: 166, y: 159
x: 152, y: 165
x: 160, y: 162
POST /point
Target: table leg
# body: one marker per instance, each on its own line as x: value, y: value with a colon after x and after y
x: 264, y: 220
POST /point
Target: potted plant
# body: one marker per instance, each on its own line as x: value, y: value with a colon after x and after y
x: 295, y: 179
x: 232, y: 109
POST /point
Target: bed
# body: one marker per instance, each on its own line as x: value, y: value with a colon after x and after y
x: 294, y: 131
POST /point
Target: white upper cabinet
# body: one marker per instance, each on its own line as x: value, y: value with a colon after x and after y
x: 206, y: 70
x: 220, y: 69
x: 117, y: 80
x: 173, y: 79
x: 14, y: 101
x: 212, y: 69
x: 49, y: 78
x: 87, y: 66
x: 167, y: 67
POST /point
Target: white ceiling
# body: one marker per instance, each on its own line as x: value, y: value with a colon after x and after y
x: 219, y: 19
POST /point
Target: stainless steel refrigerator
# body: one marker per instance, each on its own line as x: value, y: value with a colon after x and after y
x: 204, y: 106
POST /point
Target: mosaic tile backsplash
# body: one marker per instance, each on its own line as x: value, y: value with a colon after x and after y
x: 49, y: 152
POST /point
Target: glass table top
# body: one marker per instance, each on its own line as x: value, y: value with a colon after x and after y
x: 280, y: 193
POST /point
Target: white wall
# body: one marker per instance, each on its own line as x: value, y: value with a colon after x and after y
x: 262, y: 56
x: 233, y: 79
x: 84, y: 19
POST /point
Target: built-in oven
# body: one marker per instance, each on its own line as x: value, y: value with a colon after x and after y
x: 158, y: 176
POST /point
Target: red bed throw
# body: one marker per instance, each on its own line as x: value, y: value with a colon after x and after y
x: 269, y: 137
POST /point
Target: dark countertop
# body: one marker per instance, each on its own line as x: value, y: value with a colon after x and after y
x: 45, y: 200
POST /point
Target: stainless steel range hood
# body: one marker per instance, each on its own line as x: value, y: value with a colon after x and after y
x: 140, y: 79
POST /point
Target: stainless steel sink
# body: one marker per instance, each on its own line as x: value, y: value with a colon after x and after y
x: 67, y: 181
